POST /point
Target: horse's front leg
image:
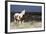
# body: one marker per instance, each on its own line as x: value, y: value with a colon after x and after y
x: 22, y: 22
x: 19, y: 22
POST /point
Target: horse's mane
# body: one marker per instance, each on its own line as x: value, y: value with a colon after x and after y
x: 23, y: 12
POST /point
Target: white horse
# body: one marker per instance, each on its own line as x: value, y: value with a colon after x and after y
x: 18, y: 17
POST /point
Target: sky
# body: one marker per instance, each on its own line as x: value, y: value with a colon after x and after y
x: 19, y: 8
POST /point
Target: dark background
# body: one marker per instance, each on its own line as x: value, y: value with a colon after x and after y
x: 32, y: 12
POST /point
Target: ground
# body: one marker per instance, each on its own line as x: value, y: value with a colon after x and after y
x: 33, y: 24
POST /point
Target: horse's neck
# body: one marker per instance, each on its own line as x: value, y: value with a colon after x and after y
x: 22, y: 13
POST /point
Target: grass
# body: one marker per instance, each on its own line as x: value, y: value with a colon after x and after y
x: 33, y: 24
x: 25, y: 25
